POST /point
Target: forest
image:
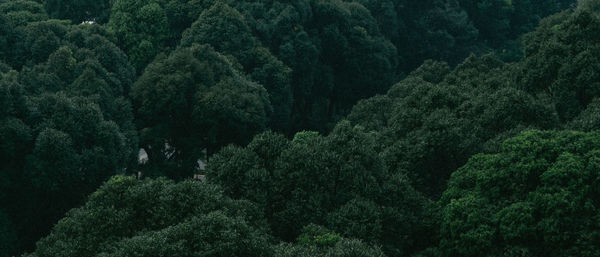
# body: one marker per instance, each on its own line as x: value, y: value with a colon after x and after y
x: 278, y: 128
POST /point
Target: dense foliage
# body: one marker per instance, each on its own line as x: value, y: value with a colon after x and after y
x: 430, y: 123
x: 163, y: 218
x: 537, y: 197
x: 157, y: 218
x: 337, y: 181
x: 66, y: 124
x: 313, y: 128
x: 193, y: 100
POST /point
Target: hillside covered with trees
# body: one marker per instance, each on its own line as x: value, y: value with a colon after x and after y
x: 333, y: 128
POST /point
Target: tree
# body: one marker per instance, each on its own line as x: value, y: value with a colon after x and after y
x: 15, y: 138
x: 194, y: 100
x: 561, y: 61
x: 146, y: 28
x: 75, y: 150
x: 21, y: 12
x: 430, y: 123
x: 319, y: 241
x: 335, y: 50
x: 141, y: 29
x: 439, y: 30
x: 225, y: 29
x: 65, y: 125
x: 157, y: 218
x: 588, y: 119
x: 79, y: 11
x: 536, y: 197
x: 491, y: 18
x: 323, y: 180
x: 588, y: 5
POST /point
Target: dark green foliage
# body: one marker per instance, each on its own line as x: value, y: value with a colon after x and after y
x: 537, y: 197
x: 319, y: 241
x: 318, y: 236
x: 344, y: 248
x: 430, y: 123
x: 73, y: 151
x: 21, y: 12
x: 74, y: 139
x: 145, y: 28
x: 490, y: 17
x: 338, y: 52
x: 224, y: 28
x: 13, y: 15
x: 141, y: 28
x: 79, y: 10
x: 327, y: 181
x: 500, y: 23
x: 129, y: 217
x: 338, y: 56
x: 588, y: 119
x: 8, y: 236
x: 55, y: 153
x: 450, y: 30
x: 195, y: 100
x: 357, y: 219
x: 65, y: 124
x: 207, y: 78
x: 429, y: 29
x: 213, y: 234
x: 589, y: 5
x: 561, y: 61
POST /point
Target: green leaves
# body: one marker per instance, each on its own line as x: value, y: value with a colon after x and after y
x: 213, y: 234
x: 338, y: 181
x: 225, y: 29
x: 195, y: 100
x: 142, y: 30
x: 214, y: 75
x: 21, y: 12
x: 538, y: 192
x: 129, y: 217
x: 65, y: 124
x: 561, y: 62
x: 79, y: 11
x: 54, y: 161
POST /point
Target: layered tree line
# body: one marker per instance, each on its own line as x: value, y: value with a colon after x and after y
x: 329, y: 128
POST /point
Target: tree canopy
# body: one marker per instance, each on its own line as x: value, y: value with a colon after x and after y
x: 309, y: 127
x: 195, y: 100
x: 66, y: 123
x: 157, y: 218
x: 561, y: 61
x: 162, y: 218
x: 536, y: 197
x: 337, y: 181
x: 430, y: 123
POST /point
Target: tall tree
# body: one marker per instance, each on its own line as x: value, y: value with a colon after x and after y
x: 146, y: 28
x: 561, y: 61
x: 142, y: 30
x: 224, y: 28
x: 195, y: 100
